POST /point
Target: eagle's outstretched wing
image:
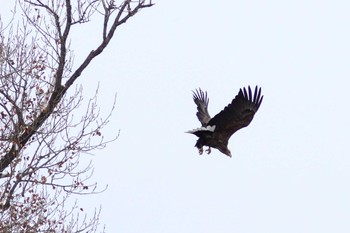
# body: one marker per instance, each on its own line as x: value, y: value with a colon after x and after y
x: 201, y: 100
x: 239, y: 113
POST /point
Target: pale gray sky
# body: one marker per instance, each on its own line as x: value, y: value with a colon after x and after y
x: 290, y: 168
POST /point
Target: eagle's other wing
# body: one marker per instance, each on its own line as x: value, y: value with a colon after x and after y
x: 239, y: 113
x: 201, y: 100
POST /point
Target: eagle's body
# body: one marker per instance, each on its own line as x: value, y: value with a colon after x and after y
x: 215, y: 132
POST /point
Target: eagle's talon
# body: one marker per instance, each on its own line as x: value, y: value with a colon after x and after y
x: 200, y: 151
x: 208, y: 150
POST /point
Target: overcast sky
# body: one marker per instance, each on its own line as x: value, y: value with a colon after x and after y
x: 290, y: 168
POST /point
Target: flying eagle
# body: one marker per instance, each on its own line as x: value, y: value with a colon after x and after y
x: 215, y: 132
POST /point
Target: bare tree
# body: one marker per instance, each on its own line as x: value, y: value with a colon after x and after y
x: 41, y: 143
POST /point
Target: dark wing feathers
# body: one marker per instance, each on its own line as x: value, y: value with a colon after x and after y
x: 239, y: 113
x: 201, y: 100
x: 257, y: 96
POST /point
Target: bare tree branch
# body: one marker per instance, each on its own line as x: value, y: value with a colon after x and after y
x: 41, y: 140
